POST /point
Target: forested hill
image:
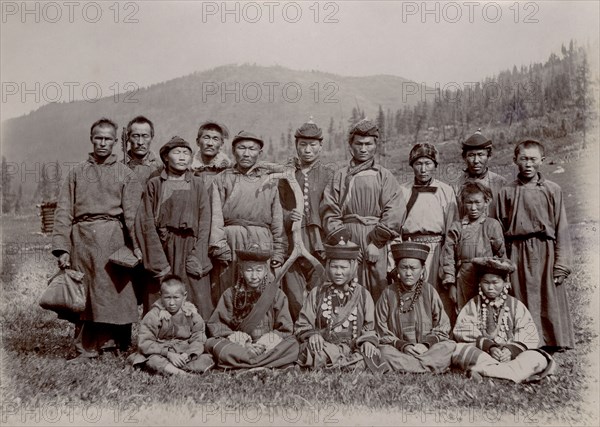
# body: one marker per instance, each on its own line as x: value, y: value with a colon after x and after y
x: 266, y: 100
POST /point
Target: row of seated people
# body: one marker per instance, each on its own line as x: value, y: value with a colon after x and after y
x: 340, y: 326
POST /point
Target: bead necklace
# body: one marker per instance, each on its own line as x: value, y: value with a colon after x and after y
x: 329, y: 309
x: 415, y: 298
x: 502, y: 319
x: 244, y: 299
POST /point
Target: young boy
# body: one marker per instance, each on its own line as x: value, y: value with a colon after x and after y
x: 495, y: 332
x: 172, y: 336
x: 532, y: 213
x: 476, y: 235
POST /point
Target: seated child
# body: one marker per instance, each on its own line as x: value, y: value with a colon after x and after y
x: 475, y: 235
x: 495, y: 332
x: 171, y: 337
x: 251, y: 326
x: 410, y: 319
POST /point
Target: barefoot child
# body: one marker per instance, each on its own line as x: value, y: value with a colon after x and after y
x: 171, y: 338
x: 475, y: 235
x: 495, y: 333
x: 532, y: 213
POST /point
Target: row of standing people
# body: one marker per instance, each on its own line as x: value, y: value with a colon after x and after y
x: 192, y: 227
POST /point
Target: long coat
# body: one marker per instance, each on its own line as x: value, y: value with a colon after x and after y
x: 534, y: 221
x: 95, y: 217
x: 173, y: 232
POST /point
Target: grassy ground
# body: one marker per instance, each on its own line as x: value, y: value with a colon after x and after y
x: 38, y: 387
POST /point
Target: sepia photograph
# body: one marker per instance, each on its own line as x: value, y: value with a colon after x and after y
x: 351, y: 212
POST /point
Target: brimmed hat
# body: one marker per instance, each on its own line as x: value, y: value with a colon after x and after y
x: 175, y: 142
x: 244, y: 136
x: 410, y: 250
x: 423, y: 150
x: 476, y: 142
x: 309, y: 130
x: 498, y: 266
x: 253, y: 252
x: 339, y: 245
x: 222, y: 128
x: 364, y: 128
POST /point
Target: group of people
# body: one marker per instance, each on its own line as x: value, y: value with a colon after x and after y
x: 413, y: 277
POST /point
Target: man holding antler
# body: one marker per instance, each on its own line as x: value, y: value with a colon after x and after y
x: 312, y: 176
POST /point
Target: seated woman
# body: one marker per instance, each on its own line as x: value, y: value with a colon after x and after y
x: 251, y: 326
x: 336, y: 325
x: 410, y: 318
x: 495, y: 332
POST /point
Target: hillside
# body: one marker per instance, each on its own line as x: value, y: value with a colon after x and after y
x: 266, y: 100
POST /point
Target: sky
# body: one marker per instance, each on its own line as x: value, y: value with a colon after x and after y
x: 59, y: 51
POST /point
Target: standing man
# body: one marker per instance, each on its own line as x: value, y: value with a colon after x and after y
x: 243, y: 212
x: 209, y: 160
x: 312, y: 176
x: 140, y: 159
x: 430, y: 211
x: 476, y: 152
x: 364, y: 199
x: 145, y: 164
x: 95, y: 217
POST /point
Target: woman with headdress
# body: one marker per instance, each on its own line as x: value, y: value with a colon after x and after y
x: 336, y: 324
x: 251, y: 326
x: 410, y: 318
x: 496, y: 334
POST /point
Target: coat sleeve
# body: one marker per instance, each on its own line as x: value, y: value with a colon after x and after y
x: 200, y: 251
x: 331, y: 209
x: 496, y: 238
x: 306, y: 324
x: 466, y: 328
x: 393, y: 207
x: 277, y: 231
x: 198, y: 337
x: 218, y: 238
x: 63, y: 217
x: 368, y: 333
x: 525, y: 332
x: 562, y: 244
x: 218, y: 324
x: 450, y: 252
x: 148, y: 342
x: 382, y: 313
x: 154, y: 257
x: 451, y: 209
x: 282, y: 321
x: 441, y: 322
x: 132, y: 194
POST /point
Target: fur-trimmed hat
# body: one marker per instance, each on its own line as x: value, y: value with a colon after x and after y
x: 309, y: 130
x: 499, y: 266
x: 410, y: 250
x: 365, y: 127
x: 423, y: 150
x: 175, y: 142
x: 253, y: 252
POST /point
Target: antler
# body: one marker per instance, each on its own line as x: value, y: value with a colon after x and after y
x: 288, y: 173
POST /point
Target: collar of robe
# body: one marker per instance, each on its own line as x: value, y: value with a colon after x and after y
x: 112, y: 159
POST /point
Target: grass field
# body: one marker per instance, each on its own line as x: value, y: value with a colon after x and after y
x: 39, y: 388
